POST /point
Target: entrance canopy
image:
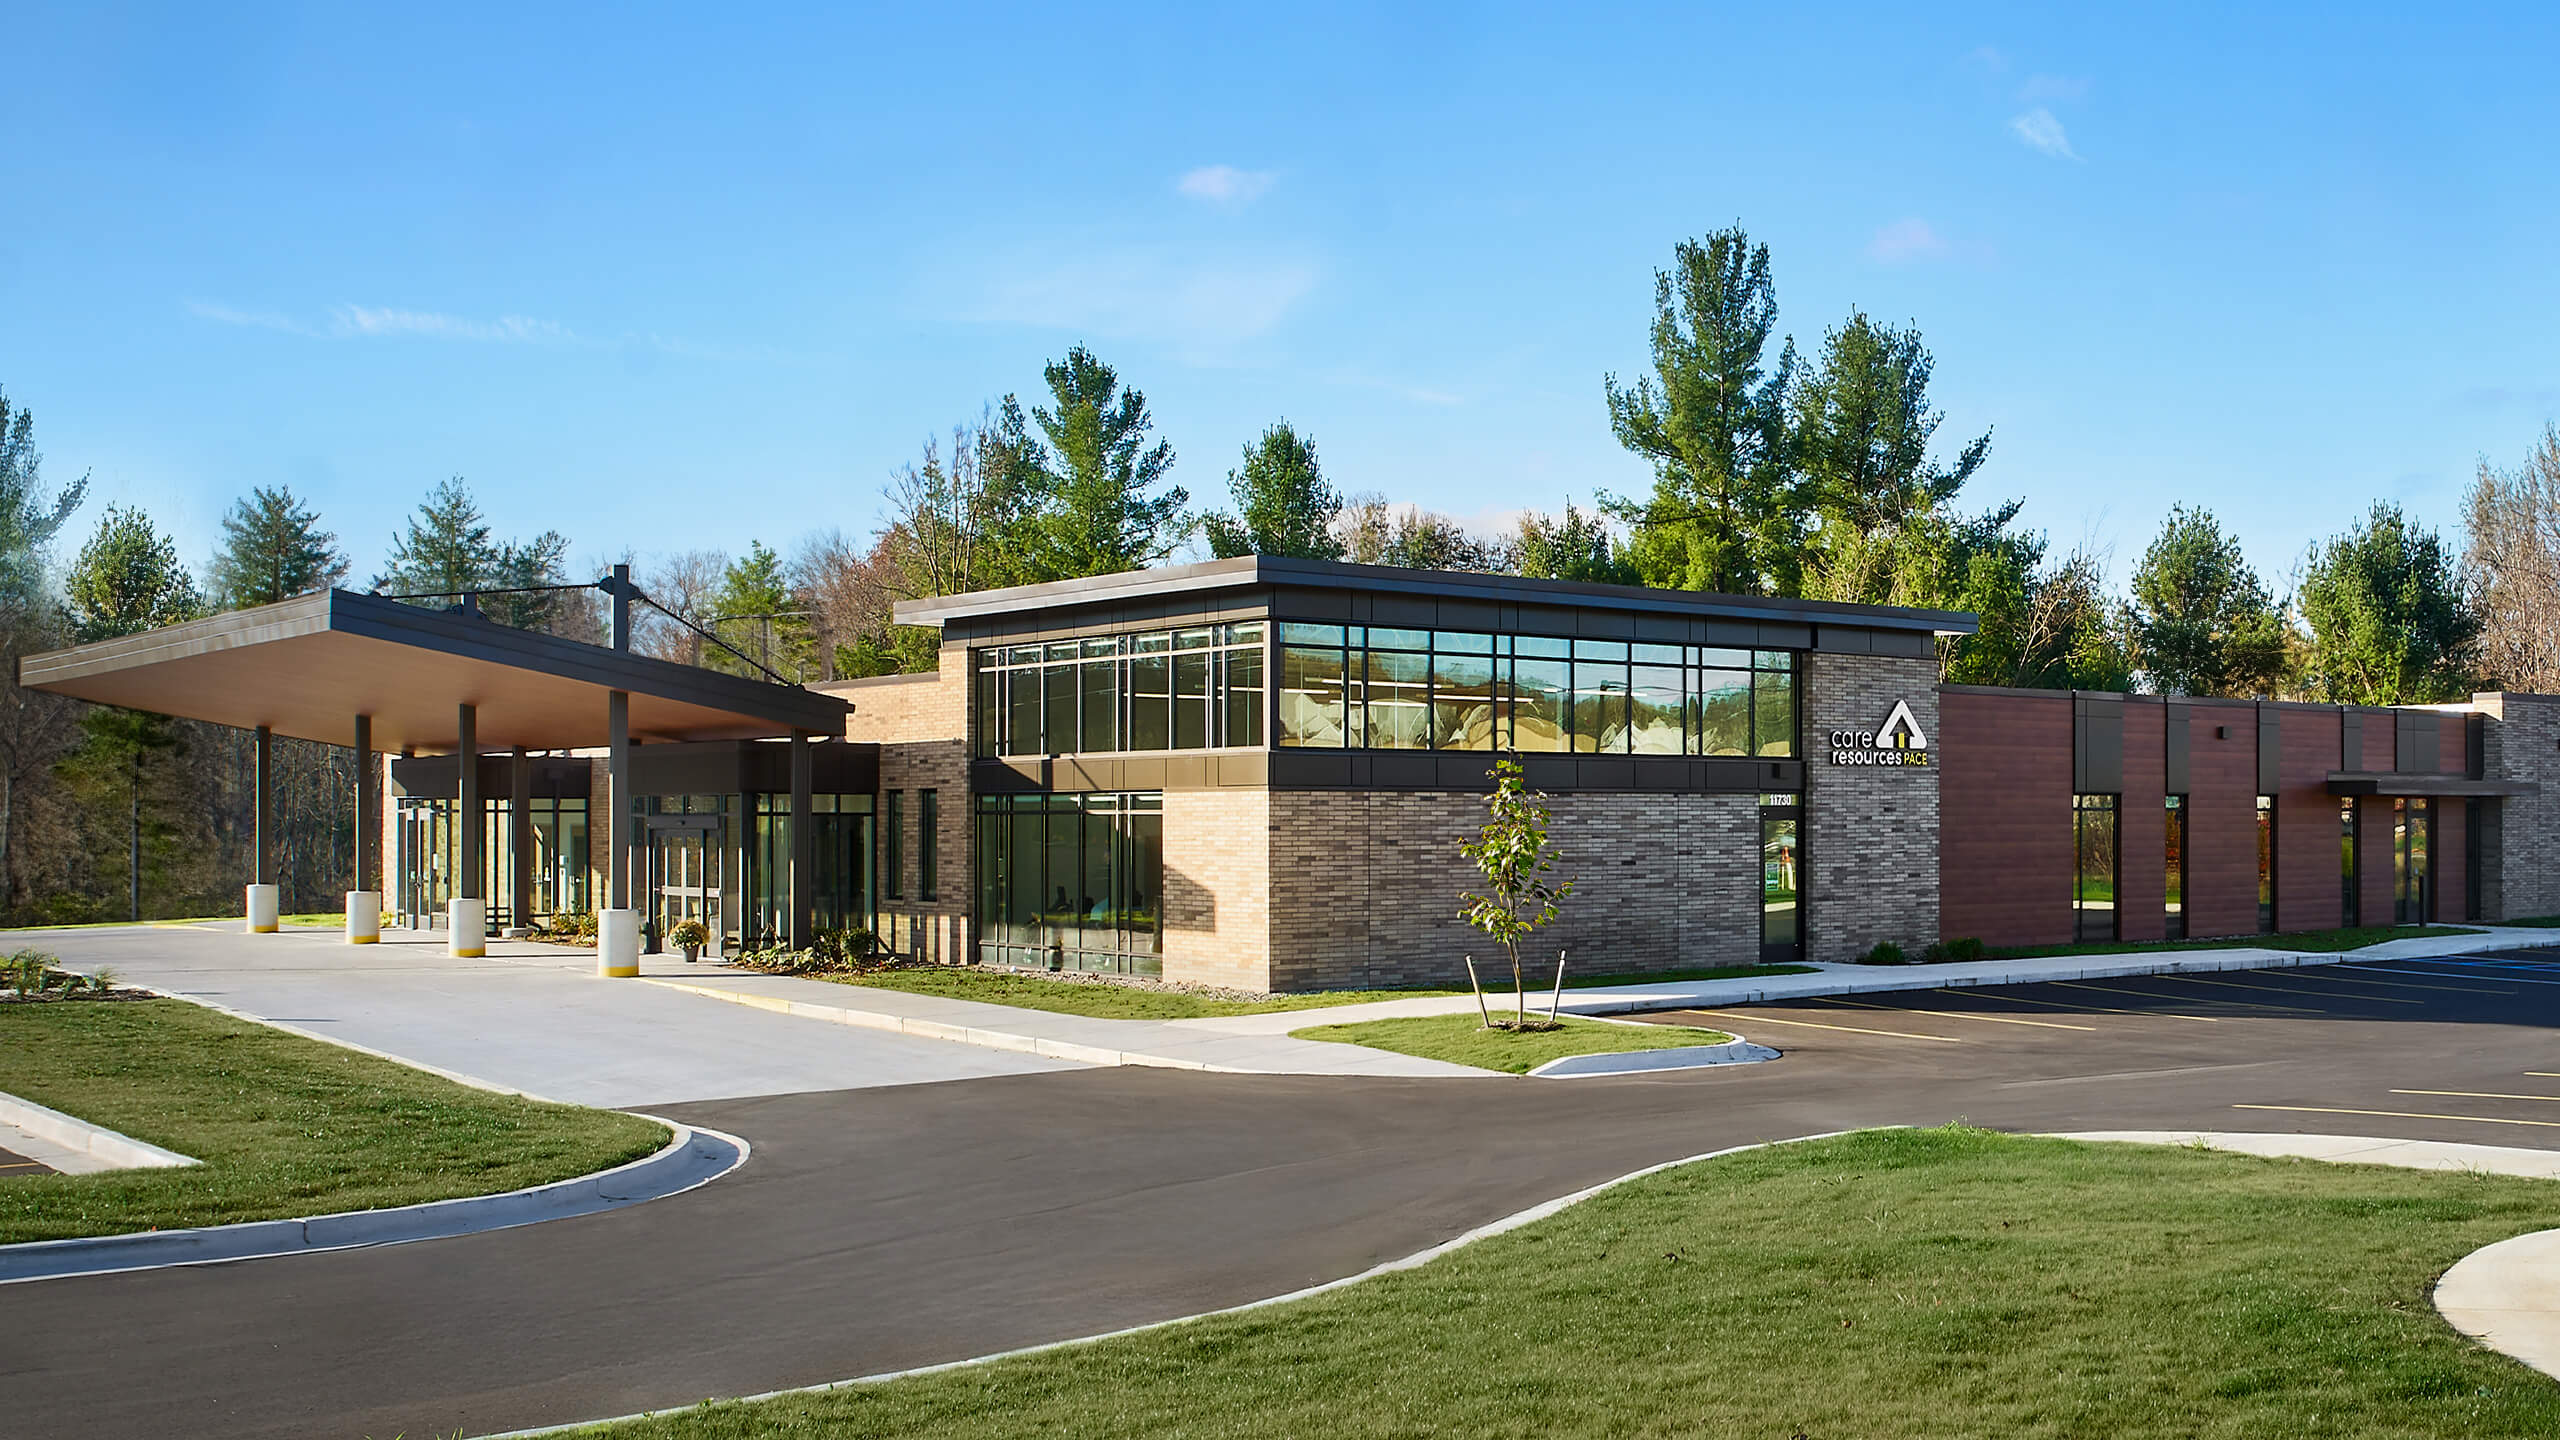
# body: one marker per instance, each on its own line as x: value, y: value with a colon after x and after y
x: 2417, y: 783
x: 307, y: 667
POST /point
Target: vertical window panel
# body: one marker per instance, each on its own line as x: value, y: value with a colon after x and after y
x: 1773, y: 708
x: 1462, y: 701
x: 1151, y: 696
x: 1191, y: 700
x: 1654, y: 710
x: 1398, y: 700
x: 1541, y: 697
x: 1242, y: 725
x: 1724, y: 712
x: 1314, y: 703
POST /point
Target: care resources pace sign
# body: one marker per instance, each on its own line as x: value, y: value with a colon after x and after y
x: 1897, y: 742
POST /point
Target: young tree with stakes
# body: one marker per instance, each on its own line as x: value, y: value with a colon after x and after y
x: 1517, y: 856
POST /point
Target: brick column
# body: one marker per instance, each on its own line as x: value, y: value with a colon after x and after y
x: 1871, y: 831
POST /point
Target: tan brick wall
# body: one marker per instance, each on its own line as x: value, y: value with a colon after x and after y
x: 1364, y: 886
x: 921, y: 724
x: 1217, y: 887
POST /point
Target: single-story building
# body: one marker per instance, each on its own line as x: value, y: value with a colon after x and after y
x: 1257, y: 773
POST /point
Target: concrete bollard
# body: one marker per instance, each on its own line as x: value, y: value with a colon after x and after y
x: 262, y: 910
x: 364, y: 917
x: 468, y: 937
x: 618, y: 943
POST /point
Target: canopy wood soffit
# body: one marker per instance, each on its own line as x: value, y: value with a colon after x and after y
x: 307, y: 667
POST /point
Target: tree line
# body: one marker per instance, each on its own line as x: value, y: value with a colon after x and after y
x: 1774, y: 473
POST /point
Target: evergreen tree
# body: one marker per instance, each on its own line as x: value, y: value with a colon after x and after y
x: 525, y: 567
x: 1575, y: 547
x: 2203, y: 623
x: 1284, y: 505
x: 1862, y: 426
x: 128, y: 579
x: 29, y: 518
x: 445, y: 548
x: 2389, y: 622
x: 273, y: 549
x: 755, y: 610
x: 1101, y: 503
x: 1724, y: 514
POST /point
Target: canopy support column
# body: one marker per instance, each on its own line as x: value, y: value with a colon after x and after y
x: 618, y: 927
x: 262, y: 898
x: 804, y: 844
x: 468, y: 935
x: 520, y: 847
x: 364, y: 898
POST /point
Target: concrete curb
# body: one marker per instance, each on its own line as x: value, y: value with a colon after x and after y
x: 1485, y: 1231
x: 117, y: 1151
x: 942, y: 1030
x: 692, y: 1157
x: 1736, y: 1051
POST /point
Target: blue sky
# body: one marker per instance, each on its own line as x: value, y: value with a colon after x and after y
x: 671, y: 278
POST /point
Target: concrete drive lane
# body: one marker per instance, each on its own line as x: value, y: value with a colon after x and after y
x: 529, y: 1017
x: 891, y: 1227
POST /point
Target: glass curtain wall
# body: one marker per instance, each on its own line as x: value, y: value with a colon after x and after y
x: 841, y: 858
x: 1371, y: 687
x: 2176, y: 857
x: 1074, y: 878
x: 2093, y: 882
x: 1193, y: 689
x: 430, y: 858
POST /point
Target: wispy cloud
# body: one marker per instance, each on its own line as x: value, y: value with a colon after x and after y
x: 1907, y: 240
x: 2041, y: 132
x: 1152, y: 295
x: 1225, y: 184
x: 349, y: 322
x: 506, y: 329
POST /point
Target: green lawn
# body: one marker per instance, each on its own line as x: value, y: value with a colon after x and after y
x: 1032, y: 990
x: 2307, y: 941
x: 285, y: 1126
x: 1463, y: 1040
x: 1935, y: 1283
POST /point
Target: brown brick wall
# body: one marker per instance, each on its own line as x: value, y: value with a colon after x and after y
x: 2222, y: 803
x: 2005, y: 842
x: 2308, y: 892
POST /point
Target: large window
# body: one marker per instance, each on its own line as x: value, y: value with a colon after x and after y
x: 2412, y: 873
x: 1074, y: 879
x: 840, y: 857
x: 2175, y: 854
x: 2350, y: 879
x: 1781, y: 879
x: 1165, y: 690
x: 2266, y: 864
x: 893, y: 839
x: 2093, y: 881
x: 928, y: 844
x: 428, y: 858
x: 1385, y: 689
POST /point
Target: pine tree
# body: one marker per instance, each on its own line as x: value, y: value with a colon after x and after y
x: 2204, y: 624
x: 445, y: 548
x: 273, y: 549
x: 1093, y: 478
x: 1284, y: 505
x: 127, y: 579
x: 756, y: 611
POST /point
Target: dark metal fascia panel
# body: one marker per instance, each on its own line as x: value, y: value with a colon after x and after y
x: 2175, y: 740
x: 2270, y: 749
x: 2097, y: 744
x: 285, y: 620
x: 2394, y: 782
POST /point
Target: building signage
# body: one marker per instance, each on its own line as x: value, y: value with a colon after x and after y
x: 1898, y: 742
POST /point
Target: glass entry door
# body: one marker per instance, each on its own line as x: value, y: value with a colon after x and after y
x: 684, y: 877
x: 1781, y: 880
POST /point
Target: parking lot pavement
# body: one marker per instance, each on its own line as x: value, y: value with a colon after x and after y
x: 13, y: 1163
x: 530, y: 1018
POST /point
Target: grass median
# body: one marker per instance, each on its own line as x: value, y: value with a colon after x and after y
x: 1917, y: 1283
x: 1463, y: 1039
x: 1034, y: 990
x: 285, y: 1126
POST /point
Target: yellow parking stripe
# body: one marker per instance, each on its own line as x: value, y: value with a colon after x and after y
x: 1757, y: 1018
x: 2477, y: 1094
x: 2109, y: 1009
x: 2328, y: 973
x: 2139, y: 995
x: 2399, y: 1115
x: 2245, y: 1004
x: 1960, y: 1015
x: 2333, y: 994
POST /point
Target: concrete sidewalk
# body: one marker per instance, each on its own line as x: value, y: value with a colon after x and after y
x: 1172, y: 1044
x: 1868, y: 979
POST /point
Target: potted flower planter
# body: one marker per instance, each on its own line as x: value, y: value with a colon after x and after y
x: 689, y: 936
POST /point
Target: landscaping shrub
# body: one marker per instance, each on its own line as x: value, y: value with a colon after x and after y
x: 1965, y: 949
x: 1885, y: 953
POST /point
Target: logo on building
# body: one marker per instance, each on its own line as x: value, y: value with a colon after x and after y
x: 1898, y: 742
